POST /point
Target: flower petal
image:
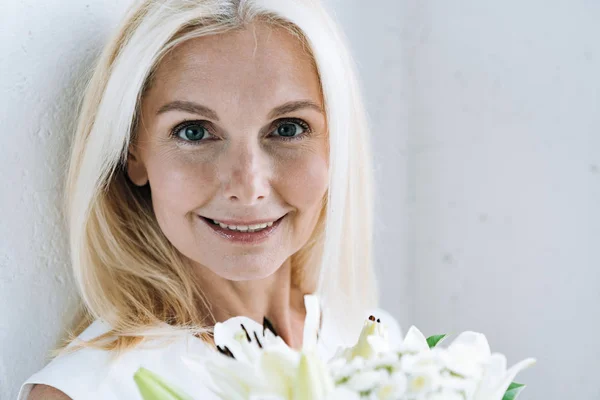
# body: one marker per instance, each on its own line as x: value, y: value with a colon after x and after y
x: 475, y: 341
x: 496, y: 379
x: 414, y: 341
x: 312, y: 380
x: 231, y: 334
x: 279, y: 371
x: 342, y: 393
x: 311, y: 322
x: 366, y: 380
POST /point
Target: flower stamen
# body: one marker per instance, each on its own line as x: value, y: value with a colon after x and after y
x: 268, y: 325
x: 247, y: 335
x: 257, y: 341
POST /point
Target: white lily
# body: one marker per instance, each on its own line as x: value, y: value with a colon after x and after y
x: 467, y: 354
x: 312, y: 380
x: 245, y: 338
x: 256, y: 363
x: 311, y: 322
x: 414, y: 342
x: 373, y: 340
x: 249, y: 369
x: 496, y: 379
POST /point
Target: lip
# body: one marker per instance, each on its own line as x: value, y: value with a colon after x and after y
x: 253, y: 222
x: 247, y: 238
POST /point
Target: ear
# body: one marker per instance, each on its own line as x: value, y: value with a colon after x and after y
x: 136, y: 170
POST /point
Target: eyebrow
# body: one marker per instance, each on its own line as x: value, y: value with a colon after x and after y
x: 195, y: 108
x: 291, y: 106
x: 190, y: 107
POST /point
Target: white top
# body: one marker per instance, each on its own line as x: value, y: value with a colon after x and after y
x: 89, y: 374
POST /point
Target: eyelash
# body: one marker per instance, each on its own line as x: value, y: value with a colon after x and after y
x: 278, y: 123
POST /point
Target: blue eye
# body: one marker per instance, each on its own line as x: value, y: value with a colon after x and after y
x: 191, y: 133
x: 290, y: 130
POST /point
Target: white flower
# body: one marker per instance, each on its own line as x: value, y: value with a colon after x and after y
x: 390, y: 361
x: 430, y: 360
x: 496, y: 378
x: 446, y: 394
x: 467, y: 354
x: 458, y: 383
x: 279, y: 371
x: 366, y: 380
x: 423, y: 382
x: 311, y: 322
x: 394, y: 387
x: 343, y: 393
x: 313, y: 380
x: 258, y: 364
x: 414, y: 342
x: 373, y: 339
x: 341, y: 368
x: 232, y: 380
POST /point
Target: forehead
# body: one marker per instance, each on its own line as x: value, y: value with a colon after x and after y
x: 258, y: 66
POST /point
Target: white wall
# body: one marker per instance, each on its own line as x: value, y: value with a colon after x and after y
x: 504, y: 159
x: 486, y: 120
x: 45, y: 47
x: 486, y: 127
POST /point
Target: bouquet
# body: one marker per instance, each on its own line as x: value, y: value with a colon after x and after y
x: 254, y: 363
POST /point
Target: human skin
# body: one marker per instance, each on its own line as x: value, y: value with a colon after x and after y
x: 237, y: 163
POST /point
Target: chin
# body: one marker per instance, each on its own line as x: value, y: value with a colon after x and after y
x: 245, y: 271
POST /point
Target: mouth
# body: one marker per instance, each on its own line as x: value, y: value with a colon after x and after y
x: 246, y: 234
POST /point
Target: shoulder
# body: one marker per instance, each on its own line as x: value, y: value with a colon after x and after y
x: 54, y: 380
x: 92, y: 374
x: 45, y: 392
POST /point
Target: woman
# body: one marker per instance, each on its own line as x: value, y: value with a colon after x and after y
x: 220, y: 167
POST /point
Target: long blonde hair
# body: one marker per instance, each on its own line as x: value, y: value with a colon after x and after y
x: 127, y: 273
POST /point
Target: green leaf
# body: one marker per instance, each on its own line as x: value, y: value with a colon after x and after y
x: 513, y: 391
x: 433, y: 341
x: 153, y: 387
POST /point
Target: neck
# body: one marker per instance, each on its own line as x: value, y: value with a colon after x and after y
x: 272, y: 297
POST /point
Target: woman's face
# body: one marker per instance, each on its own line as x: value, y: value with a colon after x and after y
x: 233, y: 130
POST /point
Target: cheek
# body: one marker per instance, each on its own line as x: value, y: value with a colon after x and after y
x: 179, y: 186
x: 303, y: 181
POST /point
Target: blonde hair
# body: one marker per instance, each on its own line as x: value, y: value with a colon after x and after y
x: 127, y: 273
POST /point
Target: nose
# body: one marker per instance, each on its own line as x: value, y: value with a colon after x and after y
x: 246, y: 174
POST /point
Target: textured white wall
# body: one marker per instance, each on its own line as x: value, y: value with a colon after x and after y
x: 486, y: 133
x: 505, y: 177
x: 45, y: 49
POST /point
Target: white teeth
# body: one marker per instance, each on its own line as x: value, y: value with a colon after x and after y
x: 243, y: 228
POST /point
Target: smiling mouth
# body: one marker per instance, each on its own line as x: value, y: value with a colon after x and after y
x: 243, y: 233
x: 242, y: 228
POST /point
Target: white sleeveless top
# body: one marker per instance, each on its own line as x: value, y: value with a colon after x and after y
x: 89, y: 374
